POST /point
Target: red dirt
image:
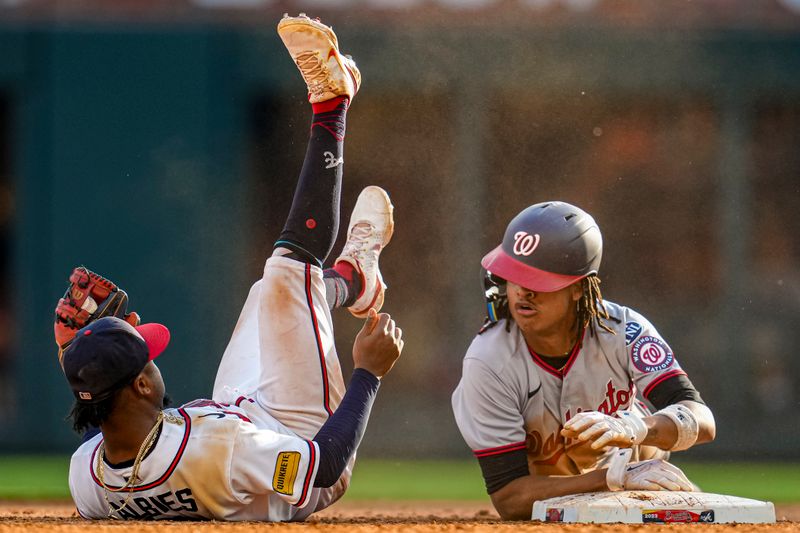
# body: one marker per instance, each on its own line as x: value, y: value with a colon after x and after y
x: 359, y: 517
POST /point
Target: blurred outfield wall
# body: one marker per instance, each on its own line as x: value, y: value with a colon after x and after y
x: 164, y: 156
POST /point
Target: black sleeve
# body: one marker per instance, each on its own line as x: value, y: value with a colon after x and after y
x: 500, y: 470
x: 673, y: 390
x: 339, y: 437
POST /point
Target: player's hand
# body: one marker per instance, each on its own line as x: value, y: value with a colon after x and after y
x: 89, y: 297
x: 624, y: 430
x: 655, y: 474
x: 378, y: 344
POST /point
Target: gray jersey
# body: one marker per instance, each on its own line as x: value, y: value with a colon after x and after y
x: 511, y: 399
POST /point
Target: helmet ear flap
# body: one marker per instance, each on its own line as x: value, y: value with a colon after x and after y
x: 494, y: 292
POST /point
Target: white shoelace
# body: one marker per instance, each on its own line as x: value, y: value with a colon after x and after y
x: 357, y: 241
x: 315, y: 72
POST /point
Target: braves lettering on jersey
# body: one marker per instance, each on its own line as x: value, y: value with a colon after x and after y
x: 257, y: 475
x: 510, y: 399
x: 247, y: 454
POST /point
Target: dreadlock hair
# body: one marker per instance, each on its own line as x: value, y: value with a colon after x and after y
x: 90, y: 415
x: 86, y: 416
x: 591, y: 308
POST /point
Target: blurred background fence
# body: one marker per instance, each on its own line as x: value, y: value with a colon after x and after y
x: 158, y: 143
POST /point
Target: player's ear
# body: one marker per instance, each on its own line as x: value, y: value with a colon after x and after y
x: 143, y: 384
x: 576, y: 290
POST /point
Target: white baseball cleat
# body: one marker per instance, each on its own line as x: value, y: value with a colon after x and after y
x: 370, y: 230
x: 315, y: 50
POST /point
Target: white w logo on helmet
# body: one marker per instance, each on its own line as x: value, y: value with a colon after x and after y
x: 525, y: 243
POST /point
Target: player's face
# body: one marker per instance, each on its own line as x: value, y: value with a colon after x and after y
x: 544, y: 313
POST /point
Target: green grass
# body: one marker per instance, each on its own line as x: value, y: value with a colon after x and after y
x: 775, y: 482
x: 24, y: 477
x: 416, y: 480
x: 34, y: 478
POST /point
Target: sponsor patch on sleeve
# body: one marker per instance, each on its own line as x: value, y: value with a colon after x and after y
x: 651, y: 354
x: 286, y: 468
x: 632, y: 330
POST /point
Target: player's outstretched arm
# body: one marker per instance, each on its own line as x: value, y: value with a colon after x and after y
x: 515, y: 500
x: 377, y: 347
x: 676, y: 427
x: 669, y: 429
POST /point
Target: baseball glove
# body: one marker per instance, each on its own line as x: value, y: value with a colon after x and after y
x: 88, y: 297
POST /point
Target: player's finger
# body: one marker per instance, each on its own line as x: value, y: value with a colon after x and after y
x: 663, y: 478
x: 383, y: 320
x: 672, y: 482
x: 387, y: 325
x: 592, y: 433
x: 370, y: 322
x: 584, y: 420
x: 587, y: 433
x: 668, y: 484
x: 677, y: 478
x: 398, y: 333
x: 578, y: 424
x: 604, y: 440
x: 572, y: 422
x: 613, y: 438
x: 649, y: 485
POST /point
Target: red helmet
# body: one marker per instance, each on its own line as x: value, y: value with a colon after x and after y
x: 547, y: 247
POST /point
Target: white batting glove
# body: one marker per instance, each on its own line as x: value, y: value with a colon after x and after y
x: 624, y: 429
x: 655, y: 474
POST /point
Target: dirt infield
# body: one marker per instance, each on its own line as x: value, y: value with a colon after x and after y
x: 360, y: 517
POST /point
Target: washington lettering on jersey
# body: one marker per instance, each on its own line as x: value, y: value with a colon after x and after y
x: 495, y: 413
x: 550, y: 448
x: 614, y: 401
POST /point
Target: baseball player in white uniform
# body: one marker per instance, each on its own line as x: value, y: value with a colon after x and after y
x: 548, y: 396
x: 277, y: 440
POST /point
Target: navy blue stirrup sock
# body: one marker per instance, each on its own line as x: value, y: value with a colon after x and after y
x: 313, y: 221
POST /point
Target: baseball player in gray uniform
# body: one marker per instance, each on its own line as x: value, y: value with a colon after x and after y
x: 548, y: 396
x: 277, y: 440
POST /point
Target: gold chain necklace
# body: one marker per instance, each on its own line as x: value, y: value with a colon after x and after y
x: 147, y: 443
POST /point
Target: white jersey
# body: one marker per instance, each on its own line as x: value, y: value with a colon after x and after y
x: 510, y: 399
x: 248, y: 454
x: 260, y: 470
